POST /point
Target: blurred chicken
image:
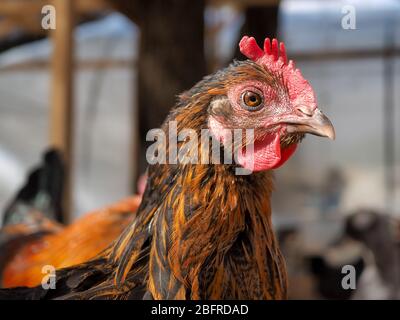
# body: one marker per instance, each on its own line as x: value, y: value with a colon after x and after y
x: 204, y: 229
x: 379, y: 234
x: 327, y: 268
x: 370, y: 243
x: 31, y: 238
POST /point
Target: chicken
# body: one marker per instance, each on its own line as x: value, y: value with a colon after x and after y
x: 327, y: 268
x: 379, y: 232
x: 41, y: 192
x: 32, y: 239
x: 370, y: 244
x: 203, y: 229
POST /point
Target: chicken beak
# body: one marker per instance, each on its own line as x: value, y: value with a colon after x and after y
x: 314, y: 122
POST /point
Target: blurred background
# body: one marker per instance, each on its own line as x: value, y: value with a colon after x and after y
x: 111, y: 69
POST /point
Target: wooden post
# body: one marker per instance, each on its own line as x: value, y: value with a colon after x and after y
x: 171, y: 60
x: 61, y: 113
x: 260, y: 21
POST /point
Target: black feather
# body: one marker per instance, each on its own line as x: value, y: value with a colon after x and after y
x: 41, y: 192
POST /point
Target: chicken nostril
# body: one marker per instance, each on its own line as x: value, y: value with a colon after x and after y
x: 305, y: 111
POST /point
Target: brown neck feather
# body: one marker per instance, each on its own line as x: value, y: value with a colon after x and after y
x: 211, y: 232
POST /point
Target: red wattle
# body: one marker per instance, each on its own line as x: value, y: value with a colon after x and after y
x: 285, y: 155
x: 267, y: 154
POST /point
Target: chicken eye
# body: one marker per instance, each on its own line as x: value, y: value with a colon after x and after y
x: 251, y: 100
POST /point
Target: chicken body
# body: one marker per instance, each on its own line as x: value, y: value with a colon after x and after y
x: 69, y: 245
x: 32, y: 239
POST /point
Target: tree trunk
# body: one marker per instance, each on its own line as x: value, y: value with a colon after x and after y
x: 260, y: 22
x: 171, y: 59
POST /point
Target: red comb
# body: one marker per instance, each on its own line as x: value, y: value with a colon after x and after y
x: 249, y: 47
x: 274, y: 58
